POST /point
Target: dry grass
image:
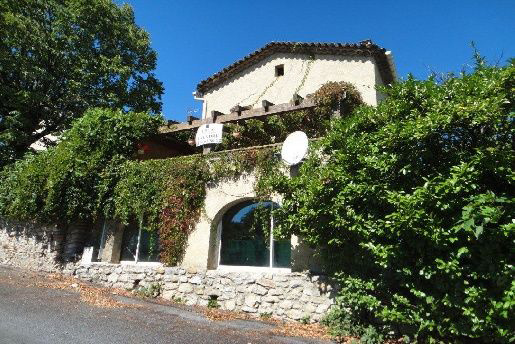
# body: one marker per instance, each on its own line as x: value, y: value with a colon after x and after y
x: 221, y: 315
x: 96, y: 296
x: 288, y: 329
x: 302, y: 330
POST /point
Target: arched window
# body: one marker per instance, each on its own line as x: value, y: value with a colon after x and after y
x: 247, y: 237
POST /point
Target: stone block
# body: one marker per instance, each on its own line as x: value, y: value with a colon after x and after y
x: 213, y: 292
x: 247, y: 309
x: 286, y: 304
x: 229, y: 305
x: 195, y: 280
x: 322, y: 308
x: 275, y: 292
x: 272, y: 299
x: 295, y: 314
x: 259, y: 290
x: 113, y: 278
x: 185, y: 288
x: 268, y: 283
x: 309, y: 308
x: 252, y: 300
x: 168, y: 294
x: 295, y: 284
x: 311, y: 291
x: 191, y: 300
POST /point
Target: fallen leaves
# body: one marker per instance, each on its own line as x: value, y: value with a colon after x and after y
x: 301, y: 330
x: 96, y: 296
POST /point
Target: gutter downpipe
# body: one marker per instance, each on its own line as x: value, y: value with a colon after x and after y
x: 391, y: 63
x: 200, y: 97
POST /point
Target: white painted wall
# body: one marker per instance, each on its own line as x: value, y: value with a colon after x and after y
x: 259, y: 81
x: 203, y: 243
x: 203, y: 240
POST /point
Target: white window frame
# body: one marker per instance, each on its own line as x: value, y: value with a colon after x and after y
x: 246, y: 268
x: 136, y: 256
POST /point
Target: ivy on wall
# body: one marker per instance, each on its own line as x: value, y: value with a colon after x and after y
x: 91, y: 173
x: 74, y: 180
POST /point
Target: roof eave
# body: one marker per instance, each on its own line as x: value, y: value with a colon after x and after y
x: 364, y: 48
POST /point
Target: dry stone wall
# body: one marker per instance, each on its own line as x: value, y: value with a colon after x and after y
x: 290, y: 296
x: 30, y: 246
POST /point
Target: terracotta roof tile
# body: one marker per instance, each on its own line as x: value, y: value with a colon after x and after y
x: 364, y: 48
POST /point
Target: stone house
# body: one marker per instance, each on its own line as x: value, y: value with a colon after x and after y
x: 256, y: 274
x: 276, y: 72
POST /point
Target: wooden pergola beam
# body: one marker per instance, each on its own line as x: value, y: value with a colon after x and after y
x: 240, y: 115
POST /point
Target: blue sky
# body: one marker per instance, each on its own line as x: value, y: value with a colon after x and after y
x: 195, y: 39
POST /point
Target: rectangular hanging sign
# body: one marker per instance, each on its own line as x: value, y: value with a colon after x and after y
x: 208, y: 134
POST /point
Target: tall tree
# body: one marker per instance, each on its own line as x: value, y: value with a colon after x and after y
x: 60, y: 57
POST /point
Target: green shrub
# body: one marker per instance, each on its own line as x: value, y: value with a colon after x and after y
x: 151, y: 291
x: 413, y: 203
x: 213, y: 302
x: 74, y: 180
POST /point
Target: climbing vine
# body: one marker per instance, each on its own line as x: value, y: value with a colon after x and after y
x: 315, y: 122
x: 92, y: 175
x: 168, y: 195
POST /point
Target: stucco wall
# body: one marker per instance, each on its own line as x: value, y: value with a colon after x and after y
x: 203, y: 243
x: 259, y: 81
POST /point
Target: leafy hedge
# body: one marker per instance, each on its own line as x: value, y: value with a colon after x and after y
x: 413, y: 202
x: 74, y: 180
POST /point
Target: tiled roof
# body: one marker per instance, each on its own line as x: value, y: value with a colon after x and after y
x: 364, y: 48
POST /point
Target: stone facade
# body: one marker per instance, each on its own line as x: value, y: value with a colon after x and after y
x: 30, y: 246
x: 289, y: 296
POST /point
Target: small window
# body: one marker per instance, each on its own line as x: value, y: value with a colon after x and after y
x: 279, y: 70
x: 247, y: 237
x: 139, y: 245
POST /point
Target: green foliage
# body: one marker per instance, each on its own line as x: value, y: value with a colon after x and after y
x: 305, y: 320
x: 59, y: 58
x: 265, y: 315
x: 74, y: 180
x: 184, y: 193
x: 91, y: 174
x: 213, y: 302
x: 138, y: 193
x: 151, y: 291
x: 413, y: 204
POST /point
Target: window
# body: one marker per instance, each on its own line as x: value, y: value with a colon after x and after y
x: 139, y: 245
x: 247, y: 237
x: 279, y: 70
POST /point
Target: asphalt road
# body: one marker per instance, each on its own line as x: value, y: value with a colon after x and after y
x: 31, y: 314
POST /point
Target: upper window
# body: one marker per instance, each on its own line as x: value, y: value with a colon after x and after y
x: 139, y: 245
x: 279, y: 70
x: 247, y: 237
